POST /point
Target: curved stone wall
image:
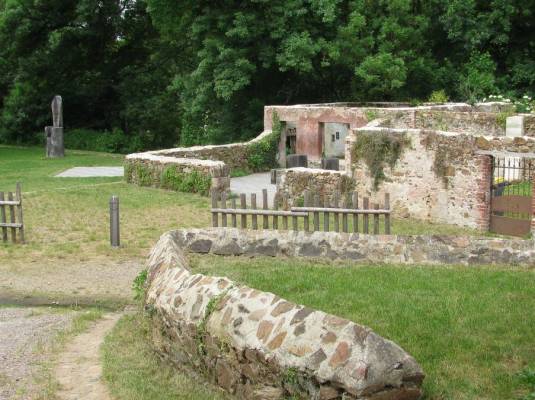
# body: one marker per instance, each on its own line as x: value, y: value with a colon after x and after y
x: 257, y: 345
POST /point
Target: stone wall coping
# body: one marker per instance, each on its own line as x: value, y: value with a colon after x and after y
x: 173, y: 160
x: 409, y: 130
x: 315, y: 171
x: 194, y: 149
x: 448, y: 106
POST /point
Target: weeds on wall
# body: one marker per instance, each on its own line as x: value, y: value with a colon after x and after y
x: 193, y: 182
x: 378, y: 149
x: 441, y: 158
x: 173, y: 178
x: 262, y: 155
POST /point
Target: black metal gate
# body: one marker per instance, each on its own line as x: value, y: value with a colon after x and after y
x: 511, y: 207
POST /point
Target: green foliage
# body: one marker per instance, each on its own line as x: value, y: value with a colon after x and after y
x: 501, y: 118
x: 209, y: 310
x: 478, y: 77
x: 144, y: 175
x: 378, y: 149
x: 291, y: 375
x: 370, y: 114
x: 262, y: 154
x: 237, y: 173
x: 193, y: 182
x: 103, y: 141
x: 438, y: 96
x: 139, y: 285
x: 527, y: 378
x: 525, y: 105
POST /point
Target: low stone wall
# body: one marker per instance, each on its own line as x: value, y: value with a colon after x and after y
x: 320, y: 182
x: 399, y: 249
x: 529, y: 125
x: 258, y: 346
x: 519, y: 144
x: 235, y: 155
x: 180, y: 174
x: 470, y: 122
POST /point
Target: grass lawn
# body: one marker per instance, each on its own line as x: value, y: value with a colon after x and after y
x: 470, y: 328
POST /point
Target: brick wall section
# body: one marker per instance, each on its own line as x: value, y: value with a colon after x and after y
x: 484, y: 182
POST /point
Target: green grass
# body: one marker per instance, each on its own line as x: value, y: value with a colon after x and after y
x: 133, y: 371
x: 471, y: 329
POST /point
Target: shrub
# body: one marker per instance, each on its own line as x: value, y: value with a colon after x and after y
x: 115, y: 141
x: 439, y: 96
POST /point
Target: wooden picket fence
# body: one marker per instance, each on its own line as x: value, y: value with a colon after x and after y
x: 8, y: 207
x: 339, y: 210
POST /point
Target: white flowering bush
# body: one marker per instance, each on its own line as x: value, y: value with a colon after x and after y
x: 525, y: 105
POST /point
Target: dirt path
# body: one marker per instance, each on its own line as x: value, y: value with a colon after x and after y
x: 78, y: 368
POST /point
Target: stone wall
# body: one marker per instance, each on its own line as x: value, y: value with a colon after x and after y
x: 443, y: 177
x: 437, y: 179
x: 479, y: 119
x: 294, y: 181
x: 181, y: 174
x: 235, y: 155
x: 258, y: 346
x: 396, y: 249
x: 529, y: 125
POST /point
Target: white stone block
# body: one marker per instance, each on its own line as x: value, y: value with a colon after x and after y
x: 514, y: 126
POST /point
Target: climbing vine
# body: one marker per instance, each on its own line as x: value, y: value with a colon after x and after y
x: 378, y: 149
x: 210, y: 308
x: 262, y: 154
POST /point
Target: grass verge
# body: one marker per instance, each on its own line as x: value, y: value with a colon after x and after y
x: 133, y: 371
x: 470, y: 328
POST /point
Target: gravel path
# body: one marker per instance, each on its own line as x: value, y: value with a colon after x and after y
x: 254, y: 183
x: 22, y: 330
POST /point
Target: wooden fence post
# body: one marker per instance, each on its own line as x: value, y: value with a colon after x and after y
x: 387, y: 216
x: 336, y: 216
x: 243, y: 201
x: 223, y: 206
x: 253, y: 206
x: 307, y: 204
x: 355, y: 216
x: 214, y: 205
x: 265, y: 207
x: 366, y: 217
x: 19, y: 208
x: 3, y: 217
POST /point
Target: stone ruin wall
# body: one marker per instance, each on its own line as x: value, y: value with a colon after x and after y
x: 145, y: 169
x: 256, y: 345
x: 435, y: 179
x: 214, y: 162
x: 235, y: 155
x: 294, y: 181
x: 443, y: 177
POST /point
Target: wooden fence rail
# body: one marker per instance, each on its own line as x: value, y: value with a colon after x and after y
x: 339, y: 210
x: 8, y: 207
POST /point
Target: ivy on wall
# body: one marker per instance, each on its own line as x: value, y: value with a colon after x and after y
x: 173, y: 178
x: 262, y: 155
x: 378, y: 150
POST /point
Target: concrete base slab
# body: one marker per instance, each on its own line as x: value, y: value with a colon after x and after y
x: 91, y: 172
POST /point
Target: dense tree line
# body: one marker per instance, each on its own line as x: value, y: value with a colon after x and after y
x: 156, y: 73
